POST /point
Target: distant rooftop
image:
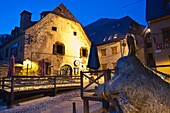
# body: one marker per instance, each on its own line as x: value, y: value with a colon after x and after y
x: 109, y: 30
x: 62, y: 11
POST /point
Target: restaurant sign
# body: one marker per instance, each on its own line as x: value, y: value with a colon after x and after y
x: 163, y: 46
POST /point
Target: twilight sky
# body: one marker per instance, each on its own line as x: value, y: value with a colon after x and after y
x: 85, y: 11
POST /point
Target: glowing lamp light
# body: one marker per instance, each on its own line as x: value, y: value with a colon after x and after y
x: 148, y: 30
x: 26, y: 63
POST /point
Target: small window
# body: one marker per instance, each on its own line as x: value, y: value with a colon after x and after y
x: 20, y: 49
x: 104, y: 66
x: 115, y: 36
x: 166, y: 34
x: 167, y: 4
x: 48, y: 68
x: 54, y: 28
x: 149, y: 44
x: 114, y: 50
x: 110, y: 37
x: 114, y: 65
x: 7, y: 50
x: 150, y: 59
x: 103, y: 52
x: 75, y: 33
x: 83, y: 52
x: 105, y: 39
x: 58, y: 48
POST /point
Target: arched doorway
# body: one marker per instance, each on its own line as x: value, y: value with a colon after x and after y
x: 66, y: 70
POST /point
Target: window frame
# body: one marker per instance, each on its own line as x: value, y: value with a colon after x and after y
x: 166, y: 34
x: 82, y: 53
x: 114, y: 50
x: 167, y: 4
x: 55, y: 48
x: 74, y: 33
x: 103, y: 52
x: 104, y: 66
x: 54, y: 28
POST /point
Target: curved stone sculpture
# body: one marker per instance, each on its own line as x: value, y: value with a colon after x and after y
x: 131, y: 45
x: 136, y: 88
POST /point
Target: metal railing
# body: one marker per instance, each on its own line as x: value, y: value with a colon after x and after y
x: 164, y: 76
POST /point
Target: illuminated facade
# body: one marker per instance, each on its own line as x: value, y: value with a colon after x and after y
x: 110, y: 37
x: 58, y: 38
x: 158, y: 40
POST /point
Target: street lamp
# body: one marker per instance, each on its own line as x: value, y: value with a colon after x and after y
x: 27, y: 64
x: 27, y: 69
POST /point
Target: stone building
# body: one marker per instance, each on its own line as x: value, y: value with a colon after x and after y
x: 110, y: 37
x: 57, y: 37
x: 158, y: 40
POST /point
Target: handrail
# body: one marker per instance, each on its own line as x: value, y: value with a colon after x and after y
x: 39, y: 82
x: 164, y: 75
x: 101, y: 75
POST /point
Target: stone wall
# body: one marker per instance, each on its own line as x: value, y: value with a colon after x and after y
x: 40, y: 38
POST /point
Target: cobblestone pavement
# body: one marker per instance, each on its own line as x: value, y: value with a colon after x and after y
x: 58, y: 104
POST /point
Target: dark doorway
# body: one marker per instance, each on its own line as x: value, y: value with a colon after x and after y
x: 66, y: 70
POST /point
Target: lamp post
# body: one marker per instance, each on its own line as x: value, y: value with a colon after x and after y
x: 27, y: 63
x: 27, y: 69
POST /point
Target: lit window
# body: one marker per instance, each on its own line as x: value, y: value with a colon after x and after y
x: 54, y: 28
x: 105, y: 39
x: 110, y: 37
x: 83, y: 52
x: 103, y: 52
x: 104, y: 66
x: 114, y: 50
x: 115, y: 36
x: 58, y: 48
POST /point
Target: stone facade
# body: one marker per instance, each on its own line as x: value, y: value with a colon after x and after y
x: 158, y: 39
x: 159, y: 49
x: 116, y: 50
x: 57, y: 38
x: 40, y: 38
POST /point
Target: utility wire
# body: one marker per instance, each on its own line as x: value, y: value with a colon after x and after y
x: 133, y: 3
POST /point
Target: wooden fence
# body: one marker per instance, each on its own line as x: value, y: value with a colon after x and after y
x: 91, y: 79
x: 17, y: 85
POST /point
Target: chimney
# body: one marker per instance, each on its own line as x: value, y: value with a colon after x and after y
x: 25, y: 20
x: 44, y: 13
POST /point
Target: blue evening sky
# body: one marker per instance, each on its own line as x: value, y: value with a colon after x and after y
x: 85, y: 11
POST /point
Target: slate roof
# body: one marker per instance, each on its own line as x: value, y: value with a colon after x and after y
x: 62, y: 11
x: 108, y: 30
x: 156, y: 9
